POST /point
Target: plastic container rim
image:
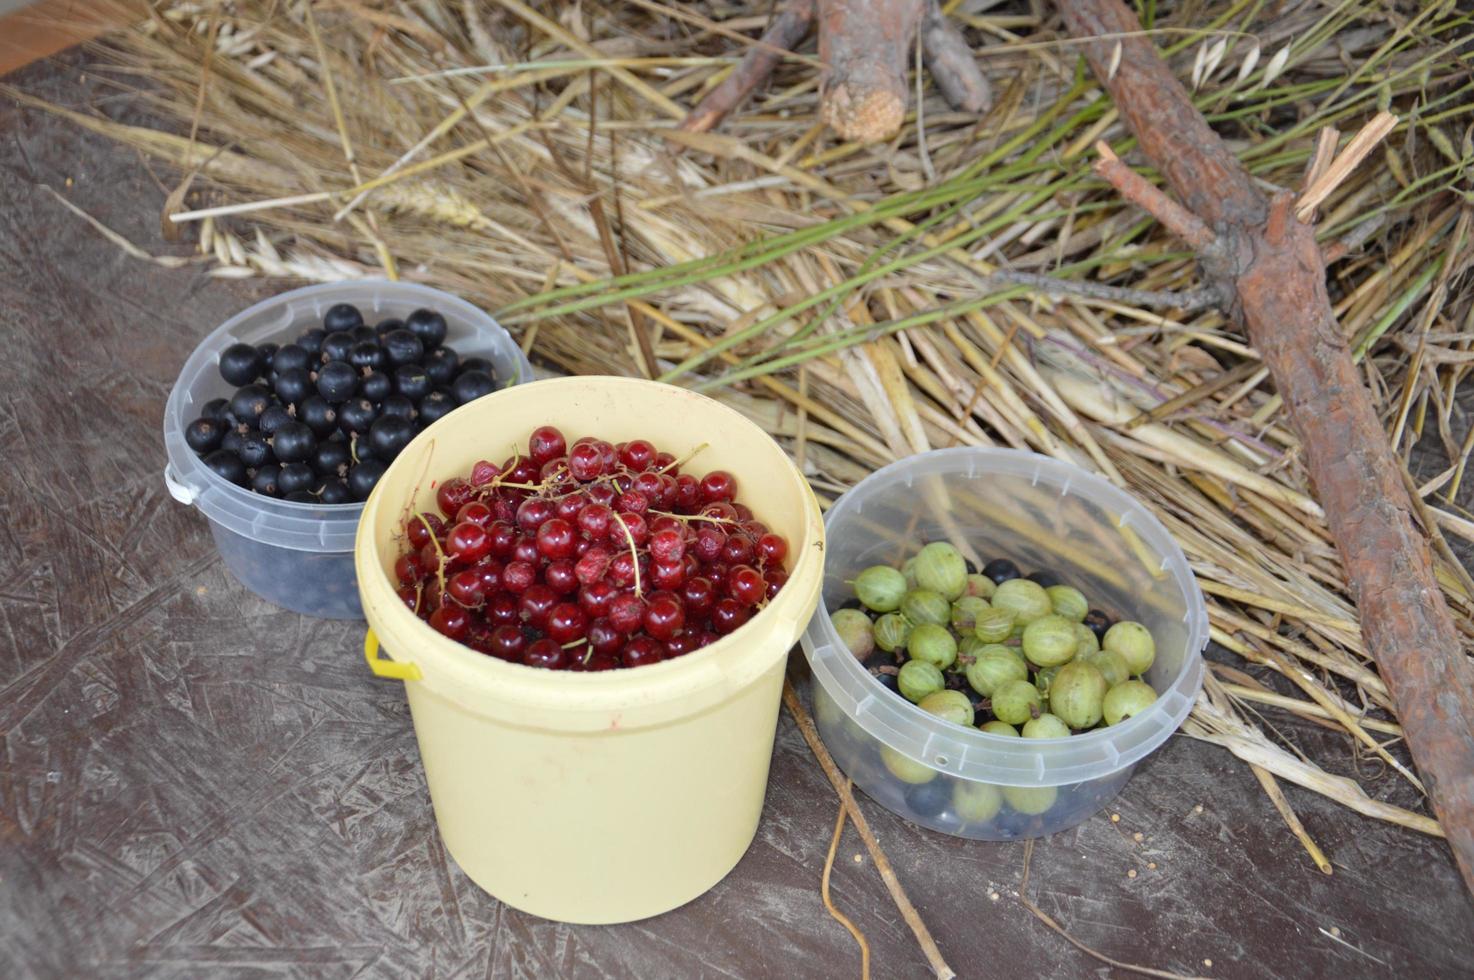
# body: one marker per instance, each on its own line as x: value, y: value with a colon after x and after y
x: 1188, y: 680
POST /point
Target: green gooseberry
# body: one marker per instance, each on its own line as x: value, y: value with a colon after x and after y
x: 880, y: 587
x: 1089, y: 642
x: 1112, y: 666
x: 976, y: 802
x: 1025, y: 599
x: 1050, y: 641
x: 981, y: 586
x: 1046, y: 726
x: 952, y: 706
x: 1031, y: 800
x: 925, y: 606
x: 993, y: 668
x: 965, y: 612
x: 994, y: 625
x: 1043, y: 679
x: 1134, y: 643
x: 1016, y: 702
x: 1126, y: 699
x: 917, y: 679
x: 941, y: 568
x: 905, y: 769
x: 891, y: 632
x: 826, y: 710
x: 1077, y: 695
x: 932, y: 644
x: 908, y: 572
x: 855, y: 631
x: 970, y: 647
x: 1068, y: 602
x: 996, y: 727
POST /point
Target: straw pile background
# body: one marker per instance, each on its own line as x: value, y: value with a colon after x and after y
x: 866, y: 303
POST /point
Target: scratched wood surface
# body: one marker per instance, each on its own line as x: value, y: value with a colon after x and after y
x: 196, y: 784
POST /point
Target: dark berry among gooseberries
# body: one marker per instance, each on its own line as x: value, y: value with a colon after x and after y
x: 365, y: 476
x: 435, y: 406
x: 402, y: 347
x: 411, y: 381
x: 293, y: 386
x: 1000, y: 570
x: 356, y: 415
x: 337, y: 381
x: 240, y: 364
x: 272, y: 419
x: 367, y: 356
x: 471, y: 385
x: 216, y: 408
x: 318, y: 415
x: 291, y: 357
x: 335, y: 347
x: 400, y: 406
x: 1044, y: 577
x: 336, y: 492
x: 341, y: 316
x: 441, y: 364
x: 254, y: 450
x: 930, y: 798
x: 311, y: 342
x: 389, y: 434
x: 228, y: 465
x: 293, y: 442
x: 297, y: 476
x: 249, y: 402
x: 376, y: 386
x: 427, y: 325
x: 203, y: 435
x: 264, y: 482
x: 1098, y: 622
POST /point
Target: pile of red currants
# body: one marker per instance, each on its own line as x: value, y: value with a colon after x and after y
x: 588, y: 557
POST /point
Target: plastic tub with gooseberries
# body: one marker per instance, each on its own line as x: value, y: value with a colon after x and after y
x: 1044, y: 515
x: 300, y: 555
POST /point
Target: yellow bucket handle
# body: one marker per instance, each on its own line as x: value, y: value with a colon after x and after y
x: 381, y: 667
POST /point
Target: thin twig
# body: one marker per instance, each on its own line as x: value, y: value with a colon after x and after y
x: 839, y: 916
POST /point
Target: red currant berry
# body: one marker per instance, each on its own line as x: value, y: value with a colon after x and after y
x: 545, y: 653
x: 553, y: 472
x: 602, y: 494
x: 637, y: 455
x: 503, y: 539
x: 622, y: 569
x: 410, y: 596
x: 533, y: 513
x: 522, y: 470
x: 699, y: 595
x: 728, y: 615
x: 468, y: 543
x: 546, y: 443
x: 604, y: 638
x: 430, y: 557
x: 518, y: 577
x: 567, y: 507
x: 667, y: 496
x: 555, y: 539
x: 772, y: 549
x: 680, y: 645
x: 422, y: 527
x: 490, y: 571
x: 709, y: 543
x: 484, y: 472
x: 526, y: 550
x: 627, y: 612
x: 718, y: 485
x: 595, y: 520
x: 507, y: 642
x: 668, y: 576
x: 451, y: 621
x: 775, y: 577
x: 664, y: 616
x: 592, y: 566
x: 596, y: 597
x: 467, y: 588
x: 585, y: 462
x: 559, y: 576
x: 502, y: 610
x: 746, y: 585
x: 633, y: 500
x: 642, y: 650
x: 452, y: 495
x: 537, y: 601
x: 737, y: 550
x: 723, y: 511
x: 638, y: 530
x: 744, y: 513
x: 688, y: 493
x: 667, y: 546
x: 474, y: 512
x: 649, y: 484
x: 666, y: 523
x: 665, y: 461
x: 407, y: 568
x: 567, y: 622
x: 601, y: 661
x: 607, y: 455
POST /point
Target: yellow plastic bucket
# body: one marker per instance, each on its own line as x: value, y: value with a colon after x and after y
x: 594, y: 797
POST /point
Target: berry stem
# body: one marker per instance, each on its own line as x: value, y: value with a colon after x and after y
x: 634, y: 553
x: 440, y: 565
x: 685, y: 459
x: 687, y: 518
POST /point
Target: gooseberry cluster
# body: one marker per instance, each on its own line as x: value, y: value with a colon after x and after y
x: 590, y: 556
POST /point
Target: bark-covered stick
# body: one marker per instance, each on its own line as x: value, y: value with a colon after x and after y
x: 864, y: 46
x: 785, y: 32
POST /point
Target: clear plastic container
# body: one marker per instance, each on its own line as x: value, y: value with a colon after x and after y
x: 1043, y: 514
x: 300, y: 556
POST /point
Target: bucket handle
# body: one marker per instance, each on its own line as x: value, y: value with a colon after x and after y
x: 382, y: 667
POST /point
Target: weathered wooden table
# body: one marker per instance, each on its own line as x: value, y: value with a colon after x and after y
x: 197, y: 784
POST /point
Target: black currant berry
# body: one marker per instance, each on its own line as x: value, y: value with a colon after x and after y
x: 203, y: 435
x: 427, y: 325
x: 365, y: 476
x: 268, y: 355
x: 398, y: 405
x: 335, y: 347
x: 385, y: 327
x: 293, y: 442
x: 255, y: 450
x: 402, y: 347
x: 411, y: 381
x: 366, y: 355
x: 435, y: 406
x: 301, y: 497
x: 217, y: 409
x: 389, y: 434
x: 442, y: 364
x: 233, y: 439
x: 240, y: 364
x: 376, y: 386
x: 356, y: 415
x: 318, y: 415
x: 249, y: 402
x: 264, y: 482
x: 293, y: 386
x: 332, y: 458
x: 1098, y: 622
x: 297, y: 476
x: 227, y: 465
x: 337, y: 381
x: 311, y: 342
x: 291, y: 358
x: 478, y: 364
x: 336, y: 492
x: 930, y: 798
x: 1045, y: 578
x: 364, y: 335
x: 343, y: 316
x: 471, y: 385
x: 1000, y: 570
x: 272, y: 419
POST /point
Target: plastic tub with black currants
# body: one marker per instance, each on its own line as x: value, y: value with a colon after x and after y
x: 284, y: 418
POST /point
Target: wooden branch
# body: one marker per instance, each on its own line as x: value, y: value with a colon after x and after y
x: 1267, y: 259
x: 864, y: 46
x: 949, y: 59
x: 785, y: 32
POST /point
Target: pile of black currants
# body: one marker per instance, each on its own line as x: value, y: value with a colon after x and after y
x: 320, y: 419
